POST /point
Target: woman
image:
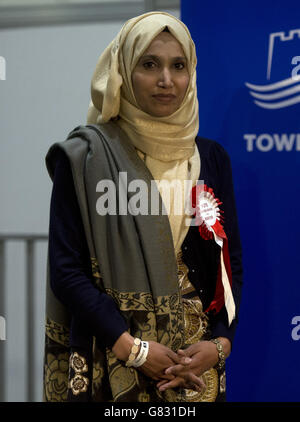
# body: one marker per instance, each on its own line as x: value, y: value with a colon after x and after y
x: 139, y: 305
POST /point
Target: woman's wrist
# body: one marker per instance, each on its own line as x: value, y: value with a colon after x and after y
x: 123, y: 345
x: 223, y: 348
x: 138, y: 354
x: 226, y: 344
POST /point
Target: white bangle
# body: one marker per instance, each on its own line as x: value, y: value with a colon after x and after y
x: 142, y: 356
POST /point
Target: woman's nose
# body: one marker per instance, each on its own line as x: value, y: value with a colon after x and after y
x: 165, y: 79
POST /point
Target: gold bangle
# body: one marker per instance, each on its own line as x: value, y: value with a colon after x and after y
x: 133, y: 352
x: 221, y: 353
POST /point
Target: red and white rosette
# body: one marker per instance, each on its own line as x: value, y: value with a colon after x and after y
x: 209, y: 219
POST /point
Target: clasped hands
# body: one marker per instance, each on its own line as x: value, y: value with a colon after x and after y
x: 181, y: 369
x: 170, y: 369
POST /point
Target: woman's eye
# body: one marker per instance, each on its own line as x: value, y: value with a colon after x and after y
x: 179, y: 66
x: 149, y: 65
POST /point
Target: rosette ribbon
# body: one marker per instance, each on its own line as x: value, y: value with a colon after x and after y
x: 209, y: 220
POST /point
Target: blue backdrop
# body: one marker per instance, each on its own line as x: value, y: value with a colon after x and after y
x: 249, y: 98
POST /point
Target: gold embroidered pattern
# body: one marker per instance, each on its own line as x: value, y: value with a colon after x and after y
x: 122, y: 380
x: 143, y: 397
x: 138, y: 301
x: 195, y: 326
x: 132, y: 301
x: 78, y: 363
x: 195, y: 321
x: 182, y: 274
x: 97, y: 374
x: 223, y: 382
x: 79, y: 383
x: 159, y: 319
x: 57, y: 332
x: 56, y: 376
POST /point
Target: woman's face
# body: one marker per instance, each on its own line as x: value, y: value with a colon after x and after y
x: 160, y: 78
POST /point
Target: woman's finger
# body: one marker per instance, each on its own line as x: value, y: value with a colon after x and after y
x: 160, y: 383
x: 191, y: 350
x: 192, y: 382
x: 174, y: 370
x: 167, y: 376
x: 194, y: 387
x: 184, y: 360
x: 173, y: 356
x: 176, y: 382
x: 177, y: 369
x: 196, y: 381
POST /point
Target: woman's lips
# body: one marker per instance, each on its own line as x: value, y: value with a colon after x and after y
x: 164, y: 98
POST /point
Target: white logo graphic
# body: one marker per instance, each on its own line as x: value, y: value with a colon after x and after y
x: 283, y: 93
x: 265, y: 142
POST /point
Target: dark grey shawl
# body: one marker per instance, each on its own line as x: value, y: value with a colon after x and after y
x: 132, y: 257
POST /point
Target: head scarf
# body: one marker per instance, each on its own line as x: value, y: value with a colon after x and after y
x: 163, y: 138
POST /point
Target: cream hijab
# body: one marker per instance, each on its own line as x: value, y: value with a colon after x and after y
x: 165, y: 138
x: 167, y: 144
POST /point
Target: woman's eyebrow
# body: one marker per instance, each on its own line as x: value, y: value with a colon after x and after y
x: 149, y: 57
x: 154, y: 57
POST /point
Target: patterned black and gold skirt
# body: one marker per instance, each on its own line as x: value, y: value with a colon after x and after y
x: 84, y: 375
x: 196, y: 328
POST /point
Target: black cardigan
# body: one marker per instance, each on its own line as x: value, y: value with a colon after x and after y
x: 70, y: 268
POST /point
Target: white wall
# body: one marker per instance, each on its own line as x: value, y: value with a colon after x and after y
x: 45, y: 95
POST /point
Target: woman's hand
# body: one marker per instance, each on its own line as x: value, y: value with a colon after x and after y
x: 189, y: 380
x: 160, y: 358
x: 203, y: 356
